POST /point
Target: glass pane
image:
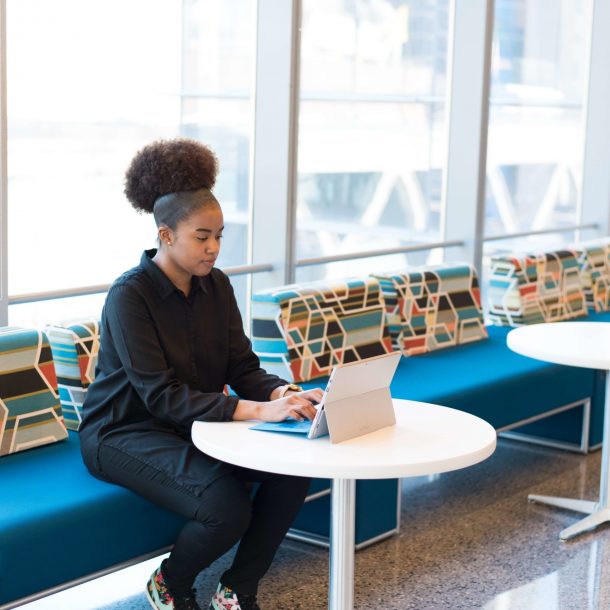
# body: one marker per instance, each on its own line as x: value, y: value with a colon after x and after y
x: 379, y: 47
x: 79, y: 108
x: 39, y: 313
x: 535, y: 144
x: 540, y: 50
x: 371, y: 130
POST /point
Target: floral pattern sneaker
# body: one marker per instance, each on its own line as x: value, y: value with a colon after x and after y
x: 161, y: 598
x: 226, y: 599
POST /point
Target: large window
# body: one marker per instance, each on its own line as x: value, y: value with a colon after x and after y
x: 371, y: 133
x: 88, y: 84
x: 536, y: 126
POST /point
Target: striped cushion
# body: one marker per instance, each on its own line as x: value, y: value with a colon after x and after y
x: 30, y: 411
x: 594, y: 264
x: 301, y: 331
x: 544, y: 287
x: 75, y: 345
x: 432, y: 307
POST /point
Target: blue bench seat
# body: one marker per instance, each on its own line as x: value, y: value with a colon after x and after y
x: 58, y: 523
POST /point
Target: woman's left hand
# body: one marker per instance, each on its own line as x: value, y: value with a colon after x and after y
x: 314, y: 396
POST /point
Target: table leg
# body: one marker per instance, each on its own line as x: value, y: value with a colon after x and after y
x: 598, y: 512
x: 343, y: 520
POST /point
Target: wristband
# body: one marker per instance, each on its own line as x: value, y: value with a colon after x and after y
x: 292, y: 387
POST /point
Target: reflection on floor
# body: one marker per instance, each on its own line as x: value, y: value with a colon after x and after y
x: 469, y: 540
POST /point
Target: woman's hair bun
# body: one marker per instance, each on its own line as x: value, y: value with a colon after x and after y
x: 169, y: 166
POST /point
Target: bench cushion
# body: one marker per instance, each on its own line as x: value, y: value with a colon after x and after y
x: 433, y: 307
x: 59, y: 523
x: 301, y: 331
x: 544, y: 287
x: 594, y: 263
x: 75, y: 345
x: 30, y: 411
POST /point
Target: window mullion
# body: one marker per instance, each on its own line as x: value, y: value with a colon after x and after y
x: 3, y: 173
x: 595, y: 201
x: 468, y: 100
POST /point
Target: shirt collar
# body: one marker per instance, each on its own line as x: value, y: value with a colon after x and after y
x: 161, y: 282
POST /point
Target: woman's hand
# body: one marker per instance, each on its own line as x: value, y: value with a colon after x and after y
x: 295, y: 404
x: 315, y: 395
x: 299, y: 405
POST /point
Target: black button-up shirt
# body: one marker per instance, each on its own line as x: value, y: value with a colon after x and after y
x: 165, y: 358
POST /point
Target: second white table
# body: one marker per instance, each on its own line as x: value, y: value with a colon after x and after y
x: 584, y: 344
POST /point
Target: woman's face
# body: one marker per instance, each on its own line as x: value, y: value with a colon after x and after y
x: 195, y: 243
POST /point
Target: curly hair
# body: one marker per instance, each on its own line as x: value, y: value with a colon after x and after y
x: 167, y: 167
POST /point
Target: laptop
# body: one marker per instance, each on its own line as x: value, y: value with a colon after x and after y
x: 356, y: 401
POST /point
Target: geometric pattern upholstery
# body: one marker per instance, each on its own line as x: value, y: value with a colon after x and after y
x: 30, y: 411
x: 433, y: 307
x: 543, y: 287
x: 594, y: 263
x: 301, y: 331
x: 75, y: 345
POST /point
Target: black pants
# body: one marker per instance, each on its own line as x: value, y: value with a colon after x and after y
x: 221, y: 512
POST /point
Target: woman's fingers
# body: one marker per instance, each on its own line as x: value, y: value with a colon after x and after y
x: 309, y: 411
x: 301, y: 407
x: 303, y: 413
x: 314, y: 395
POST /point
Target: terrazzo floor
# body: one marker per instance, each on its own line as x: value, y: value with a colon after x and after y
x: 469, y: 540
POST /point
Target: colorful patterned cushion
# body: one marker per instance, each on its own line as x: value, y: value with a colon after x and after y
x: 594, y: 264
x: 432, y: 307
x: 75, y: 344
x: 544, y: 287
x: 30, y: 411
x: 301, y: 331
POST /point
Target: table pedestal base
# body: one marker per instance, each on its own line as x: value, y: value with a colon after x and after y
x: 597, y: 514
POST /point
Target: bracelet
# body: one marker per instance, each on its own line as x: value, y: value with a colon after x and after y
x: 290, y: 386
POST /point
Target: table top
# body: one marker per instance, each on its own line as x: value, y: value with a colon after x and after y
x: 584, y: 344
x: 426, y: 439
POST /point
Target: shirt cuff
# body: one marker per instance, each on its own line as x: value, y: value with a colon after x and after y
x: 230, y: 407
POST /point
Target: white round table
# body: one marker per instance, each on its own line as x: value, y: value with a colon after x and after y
x: 426, y: 439
x: 584, y: 344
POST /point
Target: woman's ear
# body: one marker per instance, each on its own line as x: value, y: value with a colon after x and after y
x: 165, y: 235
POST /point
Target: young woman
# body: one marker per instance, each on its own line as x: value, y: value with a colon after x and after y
x: 171, y: 338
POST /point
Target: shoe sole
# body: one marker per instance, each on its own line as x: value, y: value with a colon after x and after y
x: 150, y: 599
